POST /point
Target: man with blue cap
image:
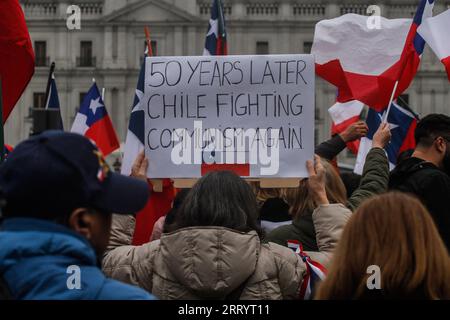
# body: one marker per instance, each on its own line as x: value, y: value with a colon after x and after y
x: 59, y: 196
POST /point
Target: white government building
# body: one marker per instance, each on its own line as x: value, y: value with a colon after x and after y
x: 110, y: 47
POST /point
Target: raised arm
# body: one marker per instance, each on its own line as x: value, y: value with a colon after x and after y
x: 329, y: 219
x: 331, y: 148
x: 375, y: 177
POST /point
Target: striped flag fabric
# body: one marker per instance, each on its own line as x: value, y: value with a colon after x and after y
x: 93, y: 122
x: 435, y: 32
x: 402, y: 123
x: 216, y: 37
x: 315, y: 272
x: 366, y: 63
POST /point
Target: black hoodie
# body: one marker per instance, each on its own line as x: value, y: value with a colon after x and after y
x: 430, y: 185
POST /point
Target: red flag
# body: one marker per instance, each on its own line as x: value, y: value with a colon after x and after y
x: 157, y: 206
x: 16, y: 54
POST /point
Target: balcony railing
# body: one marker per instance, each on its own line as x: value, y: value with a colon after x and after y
x: 309, y: 10
x: 262, y: 9
x: 86, y: 62
x: 42, y: 61
x: 357, y: 8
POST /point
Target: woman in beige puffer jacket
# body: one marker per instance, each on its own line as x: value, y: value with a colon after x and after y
x: 215, y: 249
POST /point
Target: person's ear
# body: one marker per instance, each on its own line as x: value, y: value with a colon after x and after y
x: 440, y: 145
x: 81, y: 221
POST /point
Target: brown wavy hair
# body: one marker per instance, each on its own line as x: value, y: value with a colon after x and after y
x: 301, y: 201
x: 395, y: 232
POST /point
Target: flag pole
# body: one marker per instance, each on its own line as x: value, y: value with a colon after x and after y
x: 149, y: 41
x: 103, y: 95
x: 385, y: 118
x: 49, y: 81
x: 222, y: 19
x: 2, y: 137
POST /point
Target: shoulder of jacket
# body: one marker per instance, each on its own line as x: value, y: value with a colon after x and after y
x: 431, y: 173
x: 280, y: 253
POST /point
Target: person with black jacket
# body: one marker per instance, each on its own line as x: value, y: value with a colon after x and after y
x: 425, y: 173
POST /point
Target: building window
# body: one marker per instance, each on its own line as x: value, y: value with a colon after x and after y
x: 40, y: 51
x: 262, y: 47
x: 39, y: 100
x: 403, y: 101
x: 86, y: 59
x: 307, y: 45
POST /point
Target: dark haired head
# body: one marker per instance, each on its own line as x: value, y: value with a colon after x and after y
x: 431, y: 127
x: 220, y: 199
x: 177, y: 202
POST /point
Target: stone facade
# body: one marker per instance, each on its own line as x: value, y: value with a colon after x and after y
x: 110, y: 47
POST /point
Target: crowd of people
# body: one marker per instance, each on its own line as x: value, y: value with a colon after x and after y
x: 68, y: 222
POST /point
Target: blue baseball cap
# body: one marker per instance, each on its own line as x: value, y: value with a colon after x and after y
x: 55, y: 172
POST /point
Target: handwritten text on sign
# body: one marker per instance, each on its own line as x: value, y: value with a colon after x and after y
x: 250, y: 114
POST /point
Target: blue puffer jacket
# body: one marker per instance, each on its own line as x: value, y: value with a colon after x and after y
x: 34, y: 260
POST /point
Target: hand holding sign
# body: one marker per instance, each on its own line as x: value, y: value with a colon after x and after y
x: 140, y: 167
x: 316, y: 181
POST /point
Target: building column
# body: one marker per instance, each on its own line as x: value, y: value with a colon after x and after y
x: 61, y: 50
x: 108, y: 48
x: 192, y: 41
x: 178, y: 42
x: 238, y: 10
x: 62, y: 9
x: 284, y: 41
x: 332, y: 10
x: 122, y: 47
x: 286, y: 11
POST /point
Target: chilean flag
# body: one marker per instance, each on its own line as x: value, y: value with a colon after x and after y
x: 402, y: 123
x: 435, y: 32
x: 92, y: 121
x: 16, y: 54
x: 216, y: 38
x: 365, y: 62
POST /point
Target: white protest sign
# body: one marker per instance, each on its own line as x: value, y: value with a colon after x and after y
x: 250, y: 114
